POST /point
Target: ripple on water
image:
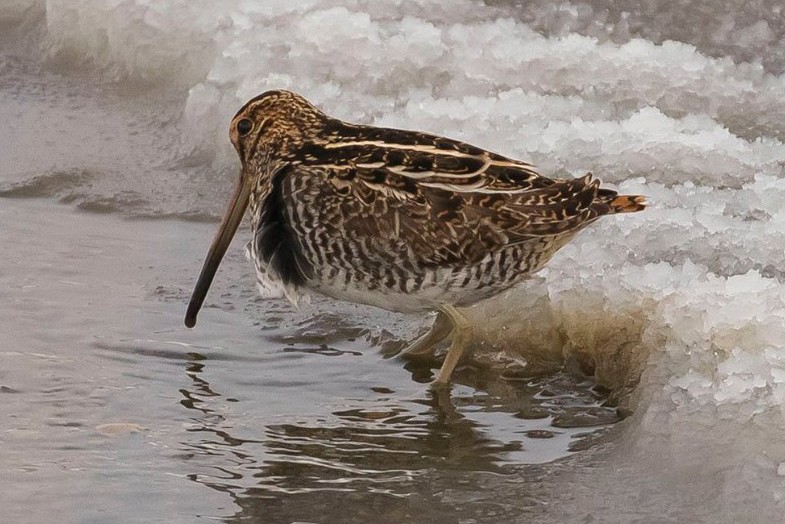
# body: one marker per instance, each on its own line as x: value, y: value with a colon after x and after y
x: 390, y: 438
x: 402, y: 451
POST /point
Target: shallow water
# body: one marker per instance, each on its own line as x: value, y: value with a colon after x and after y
x: 114, y: 166
x: 262, y: 411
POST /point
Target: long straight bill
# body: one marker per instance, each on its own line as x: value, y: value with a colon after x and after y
x: 223, y: 237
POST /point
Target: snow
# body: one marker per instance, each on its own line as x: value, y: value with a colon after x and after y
x: 687, y: 297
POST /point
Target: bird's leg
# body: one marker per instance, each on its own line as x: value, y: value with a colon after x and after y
x: 461, y: 335
x: 425, y: 346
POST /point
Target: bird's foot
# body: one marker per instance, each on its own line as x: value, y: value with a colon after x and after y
x: 461, y: 335
x: 424, y: 347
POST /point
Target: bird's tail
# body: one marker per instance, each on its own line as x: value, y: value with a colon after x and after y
x: 628, y: 204
x: 620, y: 203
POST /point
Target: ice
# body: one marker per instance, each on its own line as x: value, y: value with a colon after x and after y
x: 144, y: 42
x: 680, y: 310
x: 13, y: 11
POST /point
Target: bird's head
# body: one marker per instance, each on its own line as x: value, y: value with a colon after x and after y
x: 267, y: 132
x: 272, y: 127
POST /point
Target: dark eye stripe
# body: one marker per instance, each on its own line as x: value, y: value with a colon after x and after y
x: 258, y: 138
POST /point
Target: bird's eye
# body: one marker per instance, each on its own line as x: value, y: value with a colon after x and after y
x: 244, y: 126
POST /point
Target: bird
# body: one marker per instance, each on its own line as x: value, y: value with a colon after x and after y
x: 403, y: 220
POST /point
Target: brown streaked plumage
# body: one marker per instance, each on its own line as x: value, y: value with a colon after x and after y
x: 401, y: 220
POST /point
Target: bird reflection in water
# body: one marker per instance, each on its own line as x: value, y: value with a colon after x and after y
x: 400, y: 456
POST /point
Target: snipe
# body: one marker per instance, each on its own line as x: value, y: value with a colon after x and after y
x: 402, y: 220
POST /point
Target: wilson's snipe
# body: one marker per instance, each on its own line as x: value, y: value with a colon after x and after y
x: 401, y: 220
